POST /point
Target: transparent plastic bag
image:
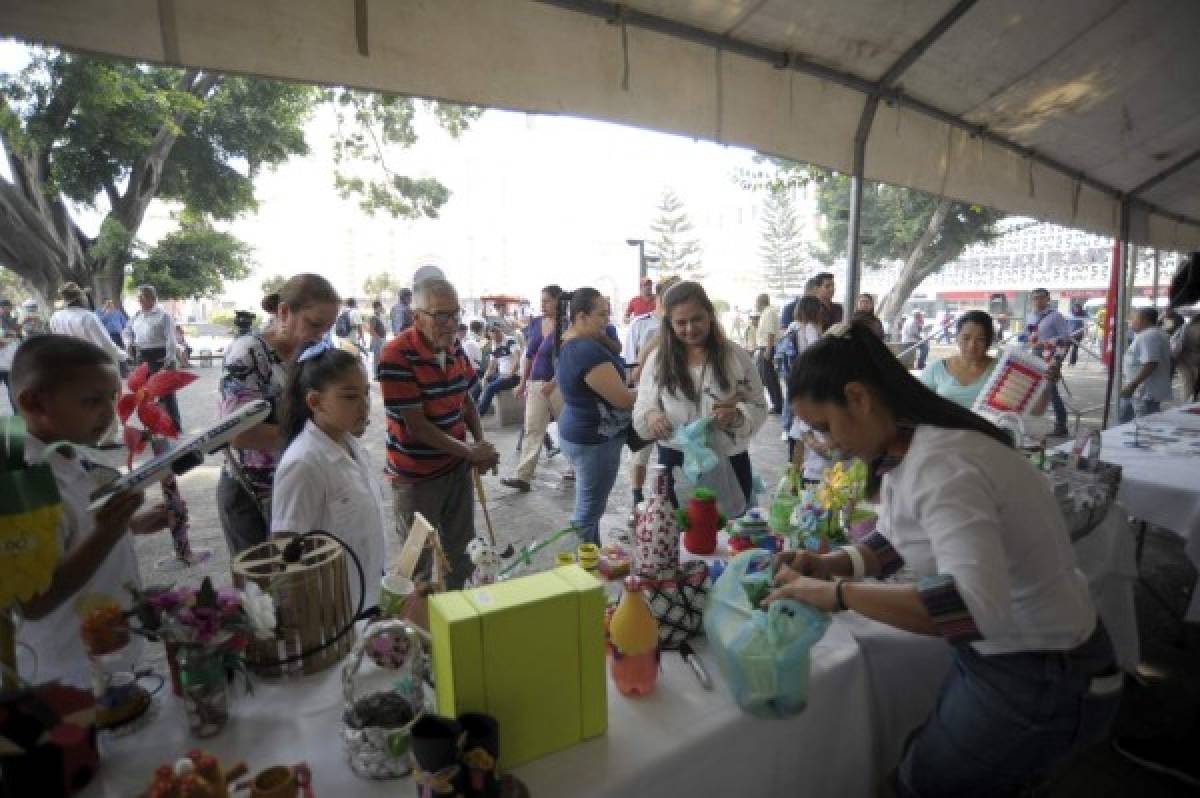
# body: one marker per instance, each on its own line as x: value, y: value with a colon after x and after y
x: 763, y: 654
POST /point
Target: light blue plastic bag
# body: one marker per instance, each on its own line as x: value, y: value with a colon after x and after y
x: 764, y: 654
x: 698, y: 456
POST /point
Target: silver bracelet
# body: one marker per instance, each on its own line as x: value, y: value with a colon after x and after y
x: 857, y: 565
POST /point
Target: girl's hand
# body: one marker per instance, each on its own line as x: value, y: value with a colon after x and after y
x: 817, y: 593
x: 660, y: 426
x: 791, y: 564
x: 548, y: 389
x: 522, y: 390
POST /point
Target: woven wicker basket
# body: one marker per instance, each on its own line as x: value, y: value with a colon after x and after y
x: 312, y: 597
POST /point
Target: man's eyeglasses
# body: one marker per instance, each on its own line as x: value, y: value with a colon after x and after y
x: 443, y: 317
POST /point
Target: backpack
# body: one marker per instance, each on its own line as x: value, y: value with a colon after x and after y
x: 341, y: 327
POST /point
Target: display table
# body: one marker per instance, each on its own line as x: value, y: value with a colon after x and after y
x: 681, y: 741
x: 870, y: 686
x: 1160, y: 480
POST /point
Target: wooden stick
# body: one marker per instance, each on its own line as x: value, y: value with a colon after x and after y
x: 483, y: 501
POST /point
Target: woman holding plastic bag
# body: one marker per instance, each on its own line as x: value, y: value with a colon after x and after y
x: 697, y: 373
x: 1034, y: 679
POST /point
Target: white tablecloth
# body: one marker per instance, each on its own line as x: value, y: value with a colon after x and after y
x: 1158, y: 486
x: 680, y: 741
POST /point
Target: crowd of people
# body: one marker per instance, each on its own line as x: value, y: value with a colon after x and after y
x: 1033, y: 678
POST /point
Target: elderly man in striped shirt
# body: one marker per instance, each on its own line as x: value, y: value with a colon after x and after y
x: 425, y: 377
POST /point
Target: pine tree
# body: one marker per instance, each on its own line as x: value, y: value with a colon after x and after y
x: 677, y: 248
x: 782, y: 244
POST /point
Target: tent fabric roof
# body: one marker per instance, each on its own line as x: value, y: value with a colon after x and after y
x: 1054, y: 110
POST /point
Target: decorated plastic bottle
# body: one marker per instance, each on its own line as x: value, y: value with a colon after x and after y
x: 633, y: 643
x: 656, y: 540
x: 784, y: 503
x: 702, y: 519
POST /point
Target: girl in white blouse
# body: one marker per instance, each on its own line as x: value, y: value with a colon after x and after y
x: 325, y: 480
x: 1034, y: 677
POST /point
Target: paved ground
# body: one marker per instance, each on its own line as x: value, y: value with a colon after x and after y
x: 1168, y: 701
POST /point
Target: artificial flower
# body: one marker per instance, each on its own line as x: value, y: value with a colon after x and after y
x: 260, y: 610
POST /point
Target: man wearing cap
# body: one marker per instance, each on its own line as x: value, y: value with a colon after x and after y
x: 10, y: 339
x: 641, y: 304
x: 77, y: 320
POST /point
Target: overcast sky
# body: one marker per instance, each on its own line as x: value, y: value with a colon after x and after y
x: 534, y: 199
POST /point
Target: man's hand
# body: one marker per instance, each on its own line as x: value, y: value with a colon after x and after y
x: 153, y: 520
x: 113, y: 518
x: 1127, y: 391
x: 483, y: 456
x: 548, y: 389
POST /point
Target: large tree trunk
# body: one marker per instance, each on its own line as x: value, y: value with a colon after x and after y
x: 39, y: 240
x: 916, y: 268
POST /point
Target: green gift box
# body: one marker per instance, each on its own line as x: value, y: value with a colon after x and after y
x: 528, y: 651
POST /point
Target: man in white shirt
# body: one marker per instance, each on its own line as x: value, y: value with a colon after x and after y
x: 912, y: 333
x: 1147, y: 368
x: 767, y: 335
x: 151, y: 332
x: 78, y: 321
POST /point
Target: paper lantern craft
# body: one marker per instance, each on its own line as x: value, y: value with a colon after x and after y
x: 1016, y: 384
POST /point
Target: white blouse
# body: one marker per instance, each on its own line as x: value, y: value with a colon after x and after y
x: 319, y: 485
x: 745, y: 386
x: 962, y: 504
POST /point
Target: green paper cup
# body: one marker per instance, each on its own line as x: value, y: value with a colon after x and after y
x: 395, y: 593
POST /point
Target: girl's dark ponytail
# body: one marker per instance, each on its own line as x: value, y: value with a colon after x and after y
x: 312, y: 373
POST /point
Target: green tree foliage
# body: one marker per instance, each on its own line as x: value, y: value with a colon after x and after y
x: 193, y: 261
x: 272, y: 284
x: 675, y: 244
x: 782, y: 247
x: 383, y: 283
x: 82, y: 132
x: 922, y: 231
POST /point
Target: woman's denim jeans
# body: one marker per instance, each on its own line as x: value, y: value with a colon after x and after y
x: 1008, y: 721
x: 596, y: 467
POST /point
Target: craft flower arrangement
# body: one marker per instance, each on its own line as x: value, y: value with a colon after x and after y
x: 823, y: 514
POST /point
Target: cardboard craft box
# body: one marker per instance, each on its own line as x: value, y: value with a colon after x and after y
x: 529, y: 651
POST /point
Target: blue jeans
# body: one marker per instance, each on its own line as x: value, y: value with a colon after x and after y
x: 1010, y: 720
x: 1129, y: 409
x: 494, y: 386
x: 1060, y: 409
x: 596, y: 467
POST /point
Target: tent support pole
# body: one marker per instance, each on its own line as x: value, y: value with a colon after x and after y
x: 1112, y: 401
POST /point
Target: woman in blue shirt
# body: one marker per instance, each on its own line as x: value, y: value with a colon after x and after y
x: 596, y: 408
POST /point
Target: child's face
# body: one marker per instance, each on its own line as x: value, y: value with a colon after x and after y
x: 343, y: 406
x: 79, y: 410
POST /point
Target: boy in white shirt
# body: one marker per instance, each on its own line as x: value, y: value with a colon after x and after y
x: 66, y: 390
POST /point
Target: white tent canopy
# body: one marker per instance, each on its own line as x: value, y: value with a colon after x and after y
x: 1056, y: 110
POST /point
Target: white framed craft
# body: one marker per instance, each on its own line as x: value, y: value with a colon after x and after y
x: 1016, y: 385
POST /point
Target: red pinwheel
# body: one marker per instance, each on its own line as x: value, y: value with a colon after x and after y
x: 145, y: 391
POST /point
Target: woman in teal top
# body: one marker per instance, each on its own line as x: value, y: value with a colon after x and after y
x: 961, y: 377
